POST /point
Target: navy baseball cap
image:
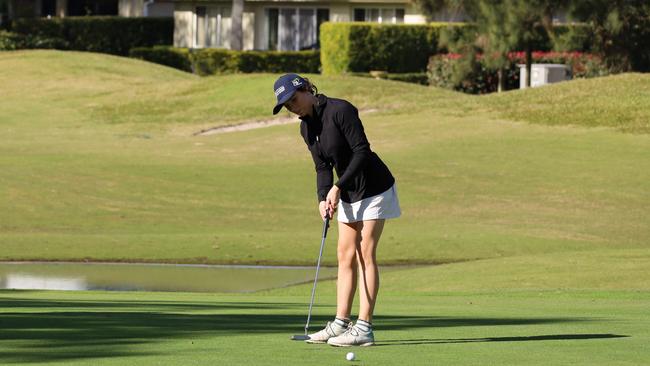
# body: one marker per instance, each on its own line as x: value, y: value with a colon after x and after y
x: 285, y: 87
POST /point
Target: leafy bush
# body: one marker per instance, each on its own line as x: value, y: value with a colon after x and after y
x: 177, y: 58
x: 485, y: 80
x: 9, y: 41
x: 209, y: 61
x: 362, y: 47
x: 14, y: 41
x: 114, y: 35
x: 406, y: 48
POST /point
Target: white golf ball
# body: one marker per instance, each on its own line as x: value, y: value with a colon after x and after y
x: 350, y: 356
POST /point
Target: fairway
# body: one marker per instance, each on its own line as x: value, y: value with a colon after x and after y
x: 488, y: 328
x: 530, y: 209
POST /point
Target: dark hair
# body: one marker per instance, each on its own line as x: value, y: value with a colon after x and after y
x: 309, y: 87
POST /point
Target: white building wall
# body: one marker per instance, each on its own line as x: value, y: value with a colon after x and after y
x: 414, y: 19
x: 255, y: 21
x: 248, y: 25
x: 184, y: 25
x: 130, y: 8
x: 260, y: 36
x: 340, y: 13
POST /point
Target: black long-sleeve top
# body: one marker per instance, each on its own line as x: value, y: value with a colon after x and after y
x: 336, y: 139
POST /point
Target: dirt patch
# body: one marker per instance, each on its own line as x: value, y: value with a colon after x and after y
x: 250, y: 125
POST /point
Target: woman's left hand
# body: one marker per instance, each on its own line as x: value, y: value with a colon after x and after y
x: 332, y: 199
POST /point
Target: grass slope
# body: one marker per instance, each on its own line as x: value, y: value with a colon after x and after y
x: 99, y: 162
x: 620, y: 101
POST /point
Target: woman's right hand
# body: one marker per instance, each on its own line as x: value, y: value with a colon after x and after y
x: 322, y: 207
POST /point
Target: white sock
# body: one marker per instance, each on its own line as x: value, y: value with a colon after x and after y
x: 363, y: 325
x: 343, y: 323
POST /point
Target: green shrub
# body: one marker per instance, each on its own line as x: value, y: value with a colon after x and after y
x: 363, y: 47
x: 10, y: 41
x: 177, y: 58
x: 277, y: 61
x: 485, y: 80
x: 114, y: 35
x: 335, y: 47
x: 406, y: 48
x: 14, y: 41
x: 210, y: 61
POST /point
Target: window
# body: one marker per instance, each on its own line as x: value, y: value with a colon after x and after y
x: 272, y: 15
x: 212, y: 27
x: 292, y: 29
x: 379, y: 15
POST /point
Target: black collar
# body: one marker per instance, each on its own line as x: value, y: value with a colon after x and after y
x: 319, y: 106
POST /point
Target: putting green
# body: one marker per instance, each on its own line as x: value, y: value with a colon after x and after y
x: 542, y: 227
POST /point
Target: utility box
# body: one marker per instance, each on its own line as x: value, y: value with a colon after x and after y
x: 542, y: 74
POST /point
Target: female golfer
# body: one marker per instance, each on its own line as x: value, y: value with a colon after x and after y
x: 364, y: 196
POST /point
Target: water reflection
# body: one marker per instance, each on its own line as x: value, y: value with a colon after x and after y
x: 29, y: 282
x: 152, y: 277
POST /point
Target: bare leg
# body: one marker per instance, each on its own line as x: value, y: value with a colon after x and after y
x: 346, y: 283
x: 367, y: 261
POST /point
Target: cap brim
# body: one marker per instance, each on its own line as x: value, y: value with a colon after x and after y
x: 281, y: 102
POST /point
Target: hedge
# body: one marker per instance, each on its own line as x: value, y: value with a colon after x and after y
x: 406, y: 48
x: 13, y: 41
x: 362, y: 47
x: 212, y: 61
x: 178, y: 58
x: 209, y: 61
x: 106, y: 34
x: 485, y: 80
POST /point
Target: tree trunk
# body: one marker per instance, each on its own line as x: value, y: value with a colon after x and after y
x: 236, y: 32
x: 529, y: 65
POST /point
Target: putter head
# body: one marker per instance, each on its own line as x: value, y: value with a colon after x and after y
x: 299, y: 337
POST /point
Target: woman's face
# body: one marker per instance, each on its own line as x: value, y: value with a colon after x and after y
x: 301, y: 103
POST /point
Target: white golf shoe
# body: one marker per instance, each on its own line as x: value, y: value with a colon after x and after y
x: 331, y: 330
x: 354, y: 336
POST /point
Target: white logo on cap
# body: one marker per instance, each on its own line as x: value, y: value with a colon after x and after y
x: 279, y: 90
x: 296, y: 82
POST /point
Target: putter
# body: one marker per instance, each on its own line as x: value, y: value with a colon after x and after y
x: 304, y: 337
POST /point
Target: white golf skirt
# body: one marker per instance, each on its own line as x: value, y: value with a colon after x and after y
x: 381, y: 206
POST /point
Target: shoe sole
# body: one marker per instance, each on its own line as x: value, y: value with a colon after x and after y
x: 315, y: 342
x: 368, y: 344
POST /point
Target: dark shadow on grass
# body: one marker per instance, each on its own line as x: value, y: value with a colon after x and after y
x: 59, y: 330
x: 552, y: 337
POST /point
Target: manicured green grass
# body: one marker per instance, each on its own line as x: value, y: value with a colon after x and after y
x: 416, y: 323
x: 621, y: 102
x: 99, y: 162
x: 542, y: 227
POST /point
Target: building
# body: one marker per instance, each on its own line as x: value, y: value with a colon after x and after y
x: 280, y: 25
x: 63, y: 8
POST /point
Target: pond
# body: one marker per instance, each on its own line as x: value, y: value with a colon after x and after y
x: 153, y: 277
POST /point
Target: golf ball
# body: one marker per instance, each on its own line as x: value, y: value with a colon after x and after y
x: 350, y: 356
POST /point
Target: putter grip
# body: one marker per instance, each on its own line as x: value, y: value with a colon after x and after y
x: 327, y: 223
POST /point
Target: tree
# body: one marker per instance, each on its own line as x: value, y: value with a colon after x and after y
x: 527, y: 21
x: 621, y: 31
x: 500, y: 27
